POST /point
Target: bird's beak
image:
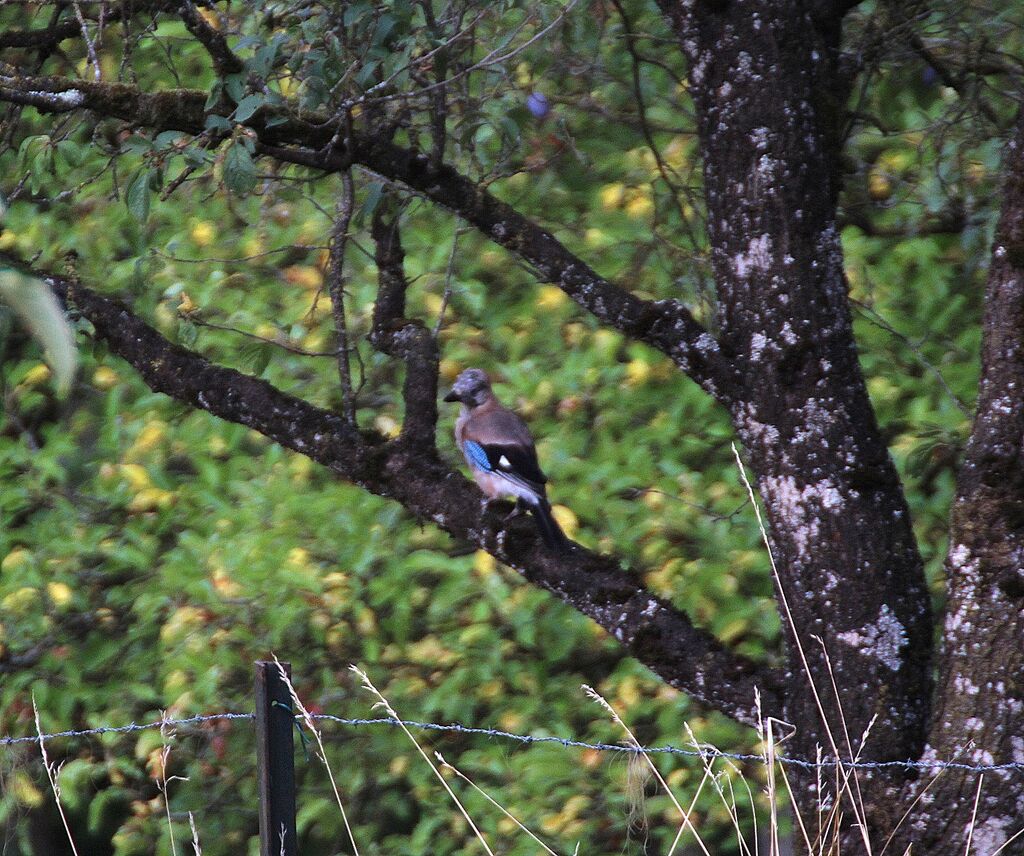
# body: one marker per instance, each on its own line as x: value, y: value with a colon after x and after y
x: 451, y: 396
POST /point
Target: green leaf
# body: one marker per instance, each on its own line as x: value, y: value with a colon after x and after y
x: 187, y: 333
x: 255, y: 356
x: 239, y: 169
x: 217, y: 123
x: 234, y: 86
x: 73, y: 153
x: 374, y: 194
x: 166, y: 138
x: 354, y: 12
x: 247, y: 106
x: 137, y: 195
x: 40, y: 312
x: 263, y: 60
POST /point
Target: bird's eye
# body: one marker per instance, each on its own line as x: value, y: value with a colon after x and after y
x: 505, y: 462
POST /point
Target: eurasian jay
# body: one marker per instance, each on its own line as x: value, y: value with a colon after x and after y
x: 500, y: 451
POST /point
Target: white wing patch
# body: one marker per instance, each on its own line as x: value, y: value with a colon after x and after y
x: 505, y: 462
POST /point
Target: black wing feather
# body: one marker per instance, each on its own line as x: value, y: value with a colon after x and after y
x: 516, y: 460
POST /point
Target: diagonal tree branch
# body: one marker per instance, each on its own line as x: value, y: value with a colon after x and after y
x: 666, y: 325
x: 655, y: 632
x: 224, y: 59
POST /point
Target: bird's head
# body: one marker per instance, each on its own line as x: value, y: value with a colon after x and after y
x: 471, y: 388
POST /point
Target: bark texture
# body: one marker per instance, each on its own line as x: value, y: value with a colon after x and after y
x: 979, y: 704
x: 766, y: 81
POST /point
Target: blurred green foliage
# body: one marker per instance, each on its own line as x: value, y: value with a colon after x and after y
x: 150, y: 552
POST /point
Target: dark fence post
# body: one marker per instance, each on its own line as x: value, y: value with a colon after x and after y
x: 275, y: 761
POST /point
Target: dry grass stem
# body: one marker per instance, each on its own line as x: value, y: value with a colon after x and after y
x: 383, y: 703
x: 166, y: 735
x: 311, y: 725
x: 859, y: 810
x: 1009, y: 841
x: 52, y: 773
x: 707, y: 758
x: 596, y: 696
x: 198, y: 850
x: 974, y: 815
x: 689, y: 811
x: 492, y: 801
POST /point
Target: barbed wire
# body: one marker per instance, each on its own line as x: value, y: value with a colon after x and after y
x: 535, y: 739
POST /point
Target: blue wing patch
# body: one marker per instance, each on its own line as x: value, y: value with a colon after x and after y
x: 477, y: 456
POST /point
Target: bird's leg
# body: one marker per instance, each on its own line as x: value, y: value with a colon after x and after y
x: 494, y: 503
x: 519, y: 508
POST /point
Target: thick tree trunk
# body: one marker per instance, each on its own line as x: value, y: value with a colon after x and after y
x: 979, y: 702
x: 769, y: 95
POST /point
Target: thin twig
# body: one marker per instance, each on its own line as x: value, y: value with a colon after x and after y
x: 284, y: 346
x: 336, y: 289
x: 880, y: 322
x: 205, y: 259
x: 446, y: 296
x: 90, y: 45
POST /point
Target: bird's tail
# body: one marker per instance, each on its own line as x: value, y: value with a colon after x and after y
x: 550, y: 531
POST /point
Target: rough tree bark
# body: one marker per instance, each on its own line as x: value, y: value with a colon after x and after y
x: 980, y: 693
x: 769, y: 86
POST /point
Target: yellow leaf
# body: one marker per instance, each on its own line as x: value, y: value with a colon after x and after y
x: 18, y: 558
x: 182, y: 621
x: 484, y: 563
x: 151, y: 499
x: 432, y: 303
x: 551, y: 297
x: 211, y: 18
x: 612, y: 195
x: 36, y: 375
x: 640, y: 206
x: 879, y: 186
x: 675, y: 152
x: 60, y: 593
x: 224, y: 585
x: 638, y: 372
x: 21, y: 600
x: 149, y: 438
x: 303, y: 276
x: 298, y: 557
x: 449, y: 369
x: 203, y: 233
x: 26, y: 793
x: 105, y: 378
x: 136, y: 476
